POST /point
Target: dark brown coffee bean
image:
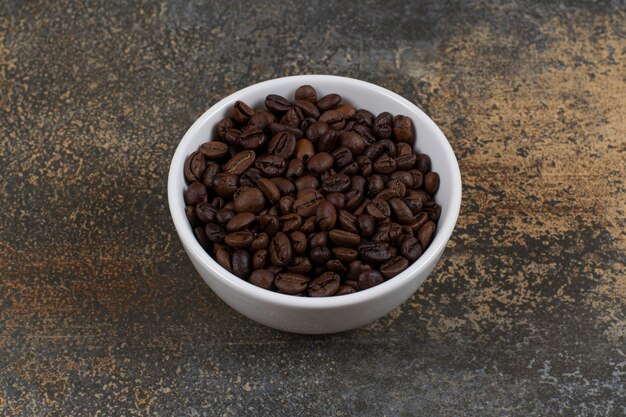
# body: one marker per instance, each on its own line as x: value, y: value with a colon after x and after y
x: 280, y: 249
x: 336, y: 199
x: 350, y: 169
x: 405, y: 162
x: 224, y: 215
x: 383, y: 125
x: 353, y: 199
x: 202, y: 238
x: 426, y: 233
x: 219, y: 203
x: 364, y: 117
x: 271, y: 165
x: 431, y: 182
x: 269, y: 189
x: 316, y: 130
x: 343, y: 238
x: 345, y: 290
x: 328, y: 102
x: 308, y: 181
x: 397, y: 186
x: 232, y: 137
x: 252, y: 138
x: 347, y: 110
x: 262, y: 278
x: 295, y: 169
x: 375, y: 185
x: 285, y: 186
x: 394, y: 266
x: 222, y: 256
x: 434, y: 212
x: 259, y: 120
x: 259, y: 259
x: 410, y: 248
x: 214, y: 149
x: 420, y: 220
x: 211, y: 170
x: 308, y: 109
x: 342, y: 157
x: 334, y: 119
x: 418, y: 178
x: 300, y: 265
x: 291, y: 283
x: 384, y: 164
x: 240, y: 221
x: 285, y: 204
x: 298, y: 242
x: 365, y: 166
x: 347, y: 221
x: 290, y: 222
x: 325, y: 285
x: 195, y: 193
x: 292, y: 118
x: 336, y: 183
x: 326, y: 215
x: 250, y: 177
x: 352, y: 141
x: 387, y: 194
x: 205, y: 212
x: 320, y: 162
x: 280, y: 127
x: 336, y: 266
x: 375, y: 251
x: 195, y: 165
x: 414, y: 204
x: 308, y: 225
x: 354, y: 269
x: 345, y: 254
x: 277, y: 104
x: 239, y: 240
x: 261, y: 241
x: 403, y: 129
x: 423, y: 163
x: 403, y: 149
x: 327, y: 141
x: 249, y: 200
x: 239, y: 163
x: 275, y: 269
x: 404, y: 177
x: 366, y: 224
x: 190, y: 213
x: 401, y: 211
x: 306, y: 205
x: 223, y: 125
x: 225, y: 184
x: 320, y: 255
x: 240, y: 262
x: 306, y: 93
x: 369, y: 278
x: 304, y: 150
x: 358, y: 182
x: 283, y: 144
x: 241, y: 112
x: 378, y: 209
x: 374, y: 151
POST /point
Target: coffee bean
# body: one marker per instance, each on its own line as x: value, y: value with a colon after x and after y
x: 269, y: 189
x: 345, y: 254
x: 277, y: 104
x: 403, y: 129
x: 423, y: 163
x: 401, y: 211
x: 337, y: 199
x: 293, y: 118
x: 285, y: 186
x: 222, y: 256
x: 259, y: 259
x: 202, y: 238
x: 241, y: 112
x: 225, y: 184
x: 354, y: 199
x: 308, y: 181
x: 232, y: 137
x: 366, y: 225
x: 240, y: 262
x: 320, y: 255
x: 352, y: 141
x: 327, y: 141
x: 290, y: 222
x: 252, y: 138
x: 325, y: 285
x: 249, y: 200
x: 425, y: 234
x: 298, y: 242
x: 405, y: 161
x: 378, y: 209
x: 239, y: 240
x: 374, y: 251
x: 195, y: 193
x: 283, y: 144
x: 295, y: 169
x: 280, y: 127
x: 300, y: 265
x: 250, y: 177
x: 374, y: 151
x: 410, y: 248
x: 214, y: 149
x: 369, y: 278
x: 308, y: 225
x: 347, y: 221
x: 271, y: 165
x: 304, y: 150
x: 431, y: 182
x: 342, y: 157
x: 384, y: 164
x: 205, y: 212
x: 394, y: 266
x: 345, y: 290
x: 280, y: 249
x: 291, y: 283
x: 211, y: 170
x: 316, y: 130
x: 224, y: 215
x: 260, y: 120
x: 365, y: 165
x: 434, y: 211
x: 383, y: 125
x: 285, y: 204
x: 261, y: 241
x: 262, y: 278
x: 194, y: 167
x: 307, y: 205
x: 240, y: 221
x: 326, y: 215
x: 190, y: 213
x: 320, y: 162
x: 334, y: 119
x: 328, y: 102
x: 336, y: 266
x: 343, y: 238
x: 308, y: 109
x: 306, y: 93
x: 223, y: 125
x: 336, y: 183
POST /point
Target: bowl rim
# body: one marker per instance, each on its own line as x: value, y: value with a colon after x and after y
x: 185, y: 232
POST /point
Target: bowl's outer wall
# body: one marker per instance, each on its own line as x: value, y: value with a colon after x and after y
x: 335, y: 317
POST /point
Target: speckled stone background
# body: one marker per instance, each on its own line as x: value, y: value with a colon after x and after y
x: 101, y: 312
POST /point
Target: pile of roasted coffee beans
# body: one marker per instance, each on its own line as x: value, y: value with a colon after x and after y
x: 312, y: 197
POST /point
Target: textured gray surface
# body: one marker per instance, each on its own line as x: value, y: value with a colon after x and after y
x: 102, y: 314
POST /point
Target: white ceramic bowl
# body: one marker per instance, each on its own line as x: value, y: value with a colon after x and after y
x: 332, y: 314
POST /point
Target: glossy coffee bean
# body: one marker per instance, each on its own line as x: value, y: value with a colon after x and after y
x: 431, y: 182
x: 326, y: 215
x: 306, y: 93
x: 325, y: 285
x: 262, y: 278
x: 291, y: 283
x: 280, y: 250
x: 241, y: 263
x: 394, y: 266
x: 195, y: 194
x: 369, y: 278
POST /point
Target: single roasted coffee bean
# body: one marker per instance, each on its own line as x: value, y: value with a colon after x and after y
x: 334, y: 119
x: 365, y: 165
x: 326, y: 215
x: 298, y: 242
x: 205, y: 212
x: 320, y: 162
x: 384, y: 164
x: 352, y: 141
x: 249, y: 200
x: 211, y: 170
x: 285, y: 204
x: 364, y: 117
x: 239, y: 240
x: 252, y: 138
x: 308, y: 225
x: 397, y: 186
x: 222, y: 256
x: 375, y: 251
x: 280, y: 127
x: 269, y: 223
x: 405, y: 162
x: 404, y: 177
x: 325, y: 285
x: 306, y: 205
x: 345, y: 254
x: 425, y: 234
x: 394, y: 266
x: 190, y: 213
x: 241, y: 112
x: 214, y: 149
x: 290, y: 222
x: 337, y: 199
x: 194, y: 167
x: 295, y: 169
x: 366, y: 224
x: 347, y: 221
x: 383, y: 125
x: 240, y: 221
x: 195, y: 194
x: 232, y: 137
x: 387, y: 194
x: 225, y: 184
x: 291, y: 283
x: 277, y: 104
x: 353, y: 199
x: 403, y: 129
x: 202, y: 238
x: 336, y: 183
x: 260, y: 120
x: 300, y: 265
x: 329, y: 101
x: 304, y: 150
x: 269, y: 190
x: 431, y: 182
x: 343, y: 238
x: 224, y: 215
x: 261, y: 241
x: 250, y: 177
x: 259, y: 259
x: 262, y: 278
x: 320, y: 255
x: 369, y: 278
x: 271, y: 165
x: 240, y: 262
x: 280, y: 249
x: 410, y: 248
x: 423, y: 163
x: 283, y: 144
x: 335, y: 265
x: 316, y: 130
x: 307, y: 108
x: 285, y: 186
x: 306, y: 93
x: 327, y: 141
x: 308, y: 181
x: 345, y: 290
x: 401, y: 211
x: 223, y: 125
x: 342, y: 157
x: 293, y: 117
x: 374, y: 151
x: 378, y: 209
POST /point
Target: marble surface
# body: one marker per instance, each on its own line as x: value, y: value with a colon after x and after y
x: 101, y: 312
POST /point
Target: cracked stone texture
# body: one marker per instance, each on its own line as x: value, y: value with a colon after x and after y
x: 101, y: 313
